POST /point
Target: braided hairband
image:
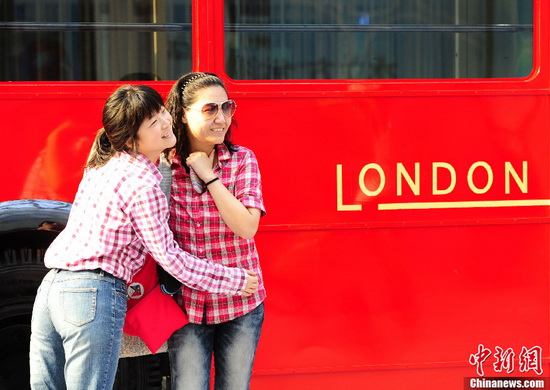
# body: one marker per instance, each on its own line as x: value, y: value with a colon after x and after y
x: 198, y: 75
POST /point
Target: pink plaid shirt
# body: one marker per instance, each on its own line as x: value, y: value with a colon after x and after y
x: 118, y: 216
x: 199, y: 229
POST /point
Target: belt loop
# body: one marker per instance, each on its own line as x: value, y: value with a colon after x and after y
x: 101, y: 273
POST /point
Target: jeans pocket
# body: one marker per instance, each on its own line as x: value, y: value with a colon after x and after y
x: 78, y: 305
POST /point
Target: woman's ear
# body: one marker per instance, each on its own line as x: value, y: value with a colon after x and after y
x: 132, y: 145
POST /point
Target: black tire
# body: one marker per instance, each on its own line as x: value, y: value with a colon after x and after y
x: 21, y: 271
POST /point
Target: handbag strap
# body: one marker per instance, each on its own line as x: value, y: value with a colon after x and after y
x: 168, y: 284
x: 165, y: 169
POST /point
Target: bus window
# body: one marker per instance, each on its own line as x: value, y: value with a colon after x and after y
x: 378, y: 39
x: 94, y: 40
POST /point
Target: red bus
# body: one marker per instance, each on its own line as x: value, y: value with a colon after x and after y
x: 404, y: 149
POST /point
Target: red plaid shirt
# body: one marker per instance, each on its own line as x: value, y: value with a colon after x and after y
x: 118, y: 216
x: 199, y: 229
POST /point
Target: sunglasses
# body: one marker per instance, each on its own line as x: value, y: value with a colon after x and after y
x: 210, y: 110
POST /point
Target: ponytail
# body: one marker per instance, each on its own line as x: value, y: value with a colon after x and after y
x: 101, y: 152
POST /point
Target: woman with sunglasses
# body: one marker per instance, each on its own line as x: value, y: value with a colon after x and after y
x: 216, y: 205
x: 119, y: 215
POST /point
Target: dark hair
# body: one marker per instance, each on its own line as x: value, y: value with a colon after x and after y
x: 184, y: 94
x: 123, y: 114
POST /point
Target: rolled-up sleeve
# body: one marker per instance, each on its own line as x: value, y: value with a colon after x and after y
x: 248, y: 185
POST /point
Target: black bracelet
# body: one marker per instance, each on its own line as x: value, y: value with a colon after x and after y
x: 212, y: 181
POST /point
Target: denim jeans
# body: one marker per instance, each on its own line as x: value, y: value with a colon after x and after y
x: 233, y: 344
x: 76, y: 330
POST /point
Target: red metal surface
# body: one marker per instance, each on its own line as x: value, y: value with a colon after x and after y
x: 366, y: 297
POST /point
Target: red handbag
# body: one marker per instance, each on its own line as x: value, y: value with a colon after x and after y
x: 152, y: 315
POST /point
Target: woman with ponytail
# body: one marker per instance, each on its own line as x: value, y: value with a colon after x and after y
x: 119, y: 215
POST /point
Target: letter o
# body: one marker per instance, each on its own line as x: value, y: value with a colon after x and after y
x: 471, y: 184
x: 362, y: 185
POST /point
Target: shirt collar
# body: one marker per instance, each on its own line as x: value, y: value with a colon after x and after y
x: 223, y: 154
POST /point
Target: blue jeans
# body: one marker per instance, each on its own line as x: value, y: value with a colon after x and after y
x: 233, y: 344
x: 76, y: 330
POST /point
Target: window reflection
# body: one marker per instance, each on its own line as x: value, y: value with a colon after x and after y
x: 378, y: 39
x: 94, y: 40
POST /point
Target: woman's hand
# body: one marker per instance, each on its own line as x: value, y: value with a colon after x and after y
x: 202, y: 165
x: 251, y: 284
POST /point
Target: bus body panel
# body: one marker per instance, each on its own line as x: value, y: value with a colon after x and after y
x: 367, y: 295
